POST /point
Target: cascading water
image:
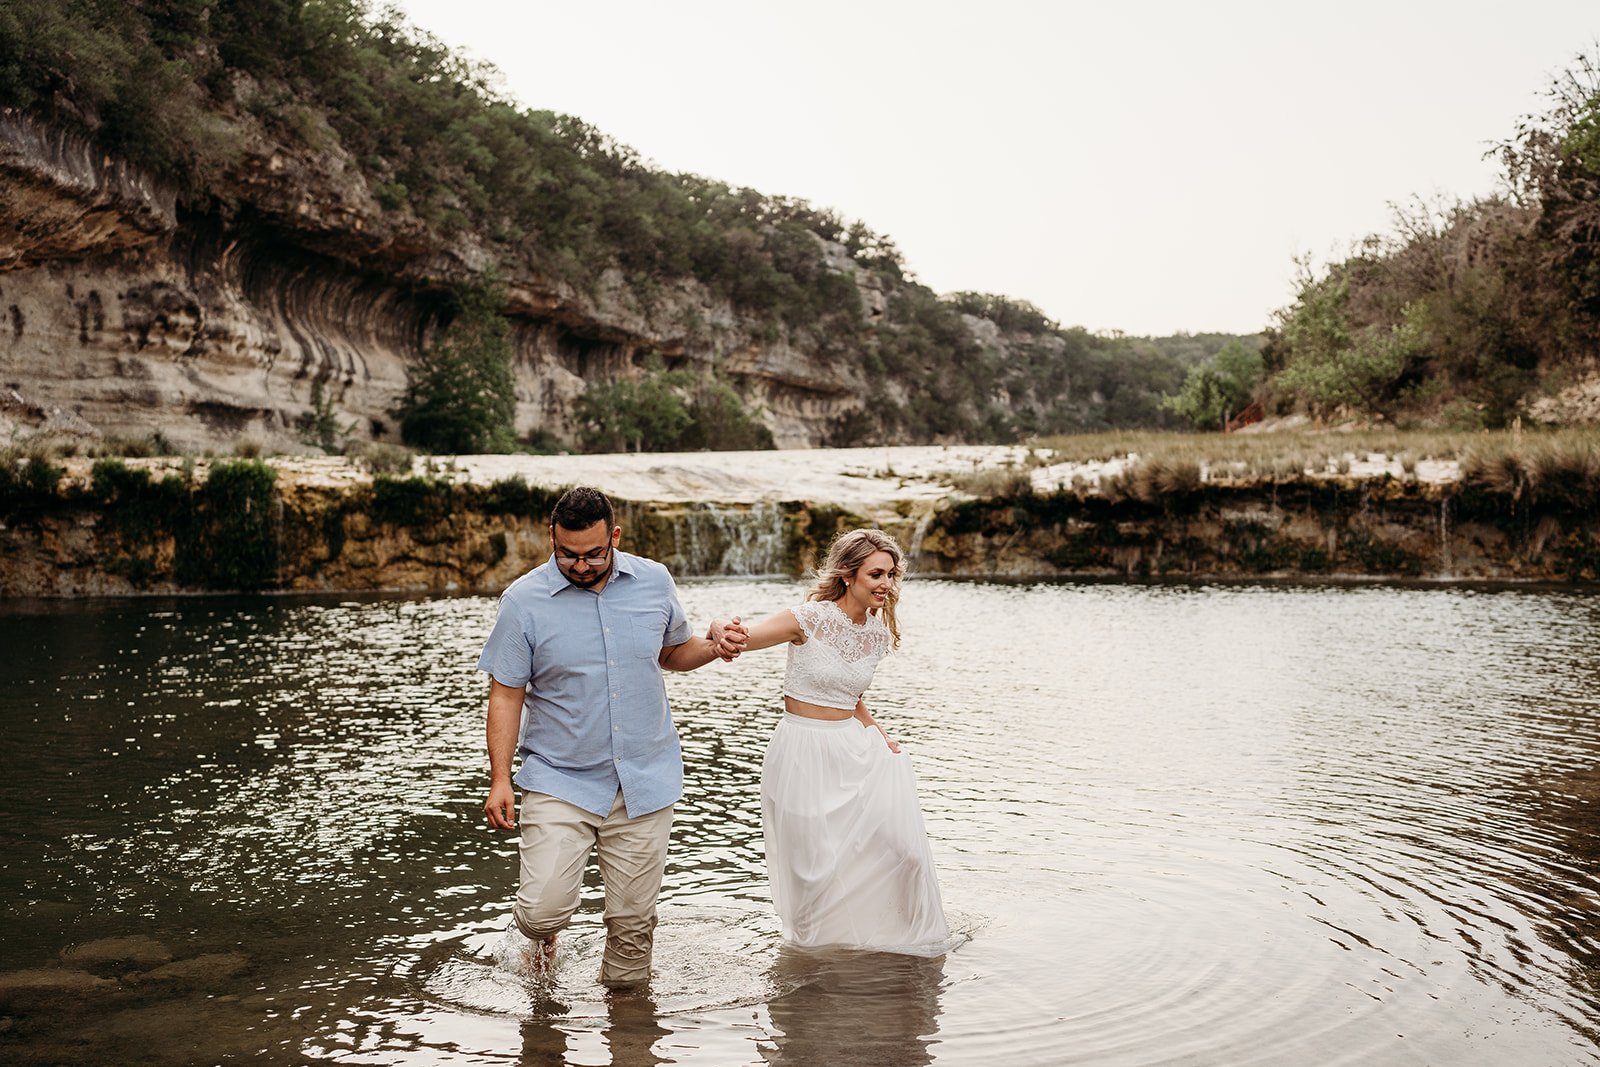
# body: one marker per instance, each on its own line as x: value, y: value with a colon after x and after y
x: 1444, y: 535
x: 918, y: 533
x: 713, y: 540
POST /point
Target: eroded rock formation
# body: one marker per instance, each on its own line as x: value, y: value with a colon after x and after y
x: 124, y: 311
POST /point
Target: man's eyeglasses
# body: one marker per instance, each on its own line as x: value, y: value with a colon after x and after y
x: 594, y: 559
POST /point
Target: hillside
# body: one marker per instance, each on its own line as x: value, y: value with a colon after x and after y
x: 276, y: 221
x: 1468, y: 314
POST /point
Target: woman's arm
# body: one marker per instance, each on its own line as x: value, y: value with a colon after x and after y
x: 864, y: 717
x: 777, y: 629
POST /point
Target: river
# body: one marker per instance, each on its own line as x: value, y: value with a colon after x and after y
x: 1174, y: 824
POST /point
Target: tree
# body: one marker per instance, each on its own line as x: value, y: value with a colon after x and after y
x: 635, y: 416
x: 721, y: 422
x: 1553, y: 165
x: 1327, y: 355
x: 461, y: 398
x: 1218, y: 389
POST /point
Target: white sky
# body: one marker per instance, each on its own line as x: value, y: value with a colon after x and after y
x: 1145, y: 167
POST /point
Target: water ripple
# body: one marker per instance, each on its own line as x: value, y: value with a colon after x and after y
x: 1175, y: 824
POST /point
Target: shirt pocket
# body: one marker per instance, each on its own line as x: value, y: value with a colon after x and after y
x: 648, y: 632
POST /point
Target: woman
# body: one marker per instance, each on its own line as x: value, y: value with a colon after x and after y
x: 847, y: 852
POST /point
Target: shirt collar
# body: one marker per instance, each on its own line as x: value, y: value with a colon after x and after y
x: 622, y: 566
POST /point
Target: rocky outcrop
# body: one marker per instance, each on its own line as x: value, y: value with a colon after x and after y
x: 60, y: 198
x: 178, y: 532
x: 1574, y: 398
x: 1348, y: 528
x: 124, y: 312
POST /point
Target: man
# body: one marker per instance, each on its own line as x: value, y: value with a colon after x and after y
x: 575, y: 658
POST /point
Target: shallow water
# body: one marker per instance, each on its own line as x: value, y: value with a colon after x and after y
x: 1177, y: 824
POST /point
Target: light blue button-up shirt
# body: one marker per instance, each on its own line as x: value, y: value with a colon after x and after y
x: 595, y: 715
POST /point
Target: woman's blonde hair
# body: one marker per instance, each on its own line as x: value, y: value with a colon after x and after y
x: 845, y: 556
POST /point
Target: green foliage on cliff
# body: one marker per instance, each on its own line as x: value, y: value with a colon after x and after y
x: 180, y: 87
x: 126, y: 73
x: 230, y: 538
x: 1463, y: 313
x: 27, y: 484
x: 668, y: 411
x: 223, y: 531
x: 1024, y: 376
x: 462, y: 396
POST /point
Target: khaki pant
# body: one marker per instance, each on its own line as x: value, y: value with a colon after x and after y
x: 556, y: 839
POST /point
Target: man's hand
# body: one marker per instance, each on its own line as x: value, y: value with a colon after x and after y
x: 501, y: 807
x: 728, y: 638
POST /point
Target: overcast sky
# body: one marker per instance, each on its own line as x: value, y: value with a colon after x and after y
x: 1144, y: 167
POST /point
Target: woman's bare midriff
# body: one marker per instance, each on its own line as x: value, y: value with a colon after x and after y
x: 815, y: 711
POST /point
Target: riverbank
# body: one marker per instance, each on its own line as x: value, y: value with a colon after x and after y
x: 77, y: 526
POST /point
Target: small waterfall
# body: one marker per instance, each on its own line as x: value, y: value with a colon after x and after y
x: 920, y: 531
x: 1444, y: 534
x: 717, y: 540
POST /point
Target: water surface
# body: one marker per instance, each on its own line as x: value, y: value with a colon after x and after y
x: 1178, y: 824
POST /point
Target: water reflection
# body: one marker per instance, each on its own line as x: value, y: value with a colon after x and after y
x: 628, y: 1034
x: 854, y: 1007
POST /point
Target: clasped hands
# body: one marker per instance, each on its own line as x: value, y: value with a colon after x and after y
x: 728, y: 638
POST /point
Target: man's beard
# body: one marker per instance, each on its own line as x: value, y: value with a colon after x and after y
x: 588, y: 581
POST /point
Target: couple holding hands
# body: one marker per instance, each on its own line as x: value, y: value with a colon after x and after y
x: 577, y: 698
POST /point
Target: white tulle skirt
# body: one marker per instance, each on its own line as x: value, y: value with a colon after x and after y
x: 847, y: 851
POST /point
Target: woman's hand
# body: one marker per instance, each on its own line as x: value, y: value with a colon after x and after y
x: 727, y: 638
x: 894, y: 746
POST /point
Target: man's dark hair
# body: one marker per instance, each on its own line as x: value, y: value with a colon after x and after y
x: 580, y: 508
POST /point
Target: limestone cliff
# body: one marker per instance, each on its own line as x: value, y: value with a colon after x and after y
x: 125, y: 311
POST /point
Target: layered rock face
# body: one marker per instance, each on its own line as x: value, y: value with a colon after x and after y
x: 323, y: 525
x: 122, y: 312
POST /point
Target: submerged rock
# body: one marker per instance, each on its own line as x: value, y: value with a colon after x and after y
x: 117, y: 953
x: 199, y: 971
x: 46, y: 986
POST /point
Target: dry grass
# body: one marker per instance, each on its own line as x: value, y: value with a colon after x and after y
x: 991, y: 481
x: 1561, y: 469
x: 1296, y: 452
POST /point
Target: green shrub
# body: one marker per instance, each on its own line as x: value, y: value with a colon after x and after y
x: 379, y: 457
x: 648, y: 415
x: 320, y: 426
x: 144, y: 513
x: 231, y: 538
x: 514, y: 496
x: 28, y: 485
x: 462, y: 395
x: 411, y: 502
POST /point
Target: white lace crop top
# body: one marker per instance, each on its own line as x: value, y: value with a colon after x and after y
x: 834, y: 666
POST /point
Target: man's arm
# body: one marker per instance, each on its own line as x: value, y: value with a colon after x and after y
x: 505, y: 716
x: 722, y: 641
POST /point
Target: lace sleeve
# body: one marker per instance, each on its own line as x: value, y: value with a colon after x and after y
x: 809, y: 614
